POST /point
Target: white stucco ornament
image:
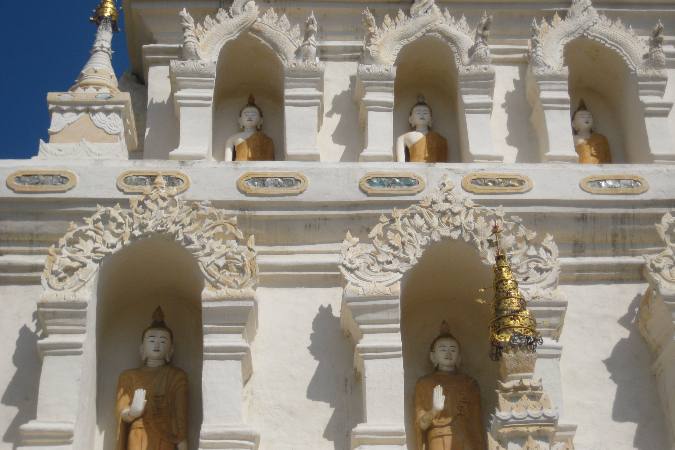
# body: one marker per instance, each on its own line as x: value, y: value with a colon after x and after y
x: 661, y: 267
x: 208, y: 233
x: 384, y: 42
x: 399, y: 240
x: 583, y: 20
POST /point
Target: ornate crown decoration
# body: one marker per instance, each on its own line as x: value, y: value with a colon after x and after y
x: 106, y: 10
x: 512, y: 327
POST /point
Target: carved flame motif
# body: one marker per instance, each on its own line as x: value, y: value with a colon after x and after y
x: 661, y: 267
x: 210, y: 235
x: 399, y: 240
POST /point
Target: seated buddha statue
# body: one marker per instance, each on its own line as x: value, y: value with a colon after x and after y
x: 152, y: 400
x: 447, y: 402
x: 422, y: 144
x: 250, y: 144
x: 592, y: 147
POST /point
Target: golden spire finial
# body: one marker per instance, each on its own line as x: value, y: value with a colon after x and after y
x: 106, y: 9
x: 512, y: 326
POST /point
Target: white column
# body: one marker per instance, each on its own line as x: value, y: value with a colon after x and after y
x: 303, y: 98
x: 160, y: 138
x: 550, y: 100
x: 62, y: 379
x: 375, y: 91
x: 193, y: 83
x: 475, y: 112
x: 656, y: 111
x: 374, y: 324
x: 228, y: 320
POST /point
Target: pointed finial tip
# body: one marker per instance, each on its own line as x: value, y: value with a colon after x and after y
x: 251, y: 100
x: 444, y: 328
x: 158, y: 315
x: 106, y: 10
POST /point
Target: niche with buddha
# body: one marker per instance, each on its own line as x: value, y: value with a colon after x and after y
x: 249, y: 75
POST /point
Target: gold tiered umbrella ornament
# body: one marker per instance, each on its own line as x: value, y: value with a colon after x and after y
x: 512, y: 327
x: 106, y: 10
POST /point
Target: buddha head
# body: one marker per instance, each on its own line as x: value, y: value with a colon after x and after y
x: 420, y: 114
x: 157, y: 340
x: 251, y: 116
x: 582, y: 120
x: 445, y: 352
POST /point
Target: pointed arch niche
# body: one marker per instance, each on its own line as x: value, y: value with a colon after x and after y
x: 248, y: 66
x: 424, y: 264
x: 426, y: 67
x: 620, y: 75
x: 238, y: 52
x: 427, y: 51
x: 102, y: 282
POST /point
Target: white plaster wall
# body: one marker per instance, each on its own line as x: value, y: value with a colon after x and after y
x: 302, y: 394
x: 19, y: 361
x: 608, y: 389
x: 161, y: 132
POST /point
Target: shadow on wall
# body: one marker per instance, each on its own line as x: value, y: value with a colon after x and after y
x: 22, y: 389
x: 628, y: 366
x: 521, y: 135
x: 334, y: 380
x: 344, y: 106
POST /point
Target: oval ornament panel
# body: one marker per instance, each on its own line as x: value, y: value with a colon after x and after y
x: 272, y: 183
x: 33, y: 181
x: 619, y: 184
x: 139, y: 181
x: 496, y: 183
x: 392, y: 183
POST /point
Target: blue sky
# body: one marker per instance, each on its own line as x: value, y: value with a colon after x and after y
x: 45, y: 44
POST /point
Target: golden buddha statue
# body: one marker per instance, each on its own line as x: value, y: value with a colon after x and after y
x: 447, y: 403
x: 152, y: 401
x: 422, y: 144
x: 592, y: 148
x: 251, y: 144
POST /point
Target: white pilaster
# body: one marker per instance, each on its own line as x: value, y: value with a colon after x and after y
x: 303, y: 99
x: 476, y: 90
x: 193, y: 83
x: 229, y: 320
x: 375, y: 92
x: 549, y: 96
x: 656, y: 111
x: 373, y: 321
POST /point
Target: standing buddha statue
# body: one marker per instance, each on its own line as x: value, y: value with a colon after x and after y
x: 152, y: 401
x: 447, y: 403
x: 422, y: 144
x: 251, y: 144
x: 592, y: 147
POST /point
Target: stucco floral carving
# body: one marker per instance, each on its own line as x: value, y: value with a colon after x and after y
x: 661, y: 267
x: 205, y: 40
x: 549, y: 39
x: 399, y: 240
x: 226, y: 261
x: 383, y: 42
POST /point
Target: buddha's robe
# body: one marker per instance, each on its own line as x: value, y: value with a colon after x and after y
x: 460, y: 425
x: 430, y: 148
x: 164, y: 421
x: 257, y: 147
x: 594, y: 150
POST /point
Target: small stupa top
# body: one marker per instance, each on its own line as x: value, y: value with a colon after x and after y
x: 98, y: 74
x: 106, y: 10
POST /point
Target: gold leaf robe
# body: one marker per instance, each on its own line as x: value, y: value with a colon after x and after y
x: 595, y: 150
x: 431, y: 148
x: 164, y: 421
x: 460, y: 425
x: 257, y: 147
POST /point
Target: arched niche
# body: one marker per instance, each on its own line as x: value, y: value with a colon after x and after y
x: 426, y: 67
x: 132, y: 283
x: 248, y: 66
x: 434, y: 290
x: 600, y: 76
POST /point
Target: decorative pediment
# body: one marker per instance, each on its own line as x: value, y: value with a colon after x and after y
x: 549, y: 39
x: 205, y: 40
x: 384, y: 42
x: 399, y: 240
x: 226, y: 260
x: 661, y: 268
